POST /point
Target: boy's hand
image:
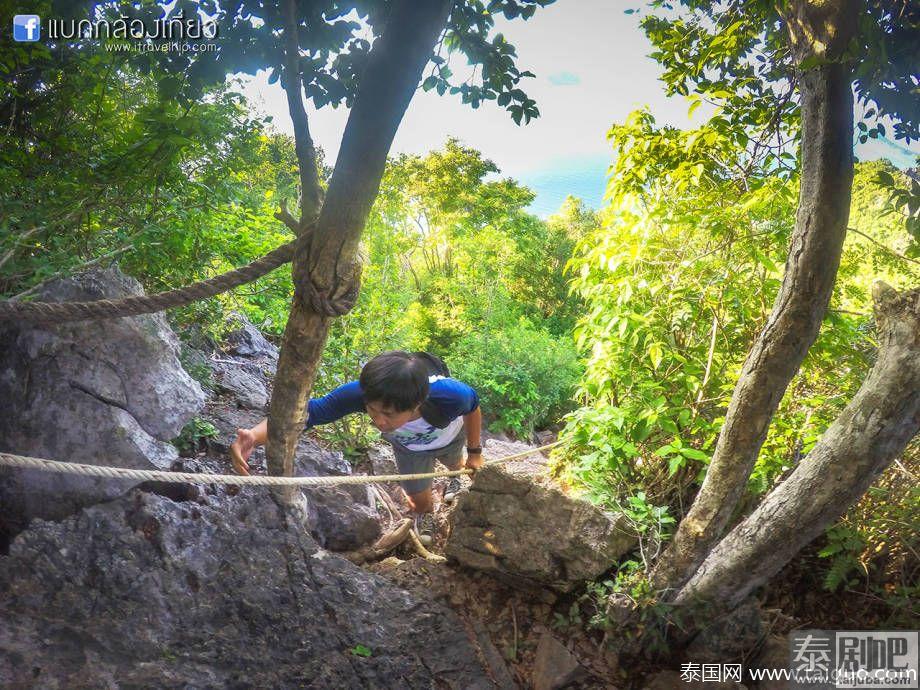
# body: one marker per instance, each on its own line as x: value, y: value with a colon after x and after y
x: 474, y: 461
x: 241, y: 449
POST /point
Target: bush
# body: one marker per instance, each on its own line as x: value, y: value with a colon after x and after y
x: 525, y: 378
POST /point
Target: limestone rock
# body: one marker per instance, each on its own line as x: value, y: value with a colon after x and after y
x: 773, y: 655
x: 382, y: 459
x: 555, y: 666
x: 517, y: 525
x: 340, y: 518
x: 246, y: 340
x: 144, y: 592
x: 109, y: 392
x: 338, y: 522
x: 248, y: 389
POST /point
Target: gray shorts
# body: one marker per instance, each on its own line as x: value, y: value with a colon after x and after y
x: 420, y: 461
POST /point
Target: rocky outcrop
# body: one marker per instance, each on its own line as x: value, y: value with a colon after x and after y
x: 555, y: 667
x: 145, y: 592
x: 516, y: 524
x: 106, y: 392
x: 249, y: 361
x: 340, y: 518
x: 245, y: 340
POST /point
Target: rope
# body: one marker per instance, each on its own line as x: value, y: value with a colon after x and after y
x: 146, y: 304
x: 25, y: 462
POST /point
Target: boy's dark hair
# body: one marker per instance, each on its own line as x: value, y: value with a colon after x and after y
x: 396, y: 379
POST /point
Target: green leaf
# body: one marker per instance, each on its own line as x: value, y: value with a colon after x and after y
x: 674, y: 464
x: 694, y: 454
x: 361, y: 650
x: 654, y: 354
x: 884, y: 178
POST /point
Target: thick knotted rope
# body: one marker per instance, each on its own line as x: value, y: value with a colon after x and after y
x: 25, y: 462
x: 147, y: 304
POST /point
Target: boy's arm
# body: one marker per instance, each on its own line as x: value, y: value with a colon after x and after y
x: 341, y: 401
x: 472, y: 423
x: 338, y: 403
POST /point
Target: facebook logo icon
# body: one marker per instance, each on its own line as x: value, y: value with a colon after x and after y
x: 27, y: 27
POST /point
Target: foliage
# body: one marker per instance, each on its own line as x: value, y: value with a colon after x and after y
x: 676, y: 286
x: 190, y: 438
x: 361, y: 650
x: 524, y: 376
x: 873, y: 548
x: 335, y: 39
x: 735, y: 55
x: 171, y: 193
x: 844, y: 546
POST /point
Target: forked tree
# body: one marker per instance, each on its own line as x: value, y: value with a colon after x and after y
x: 794, y: 68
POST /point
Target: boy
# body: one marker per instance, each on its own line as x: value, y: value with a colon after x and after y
x: 425, y: 416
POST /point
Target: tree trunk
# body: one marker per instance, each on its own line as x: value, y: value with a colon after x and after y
x: 819, y: 31
x: 326, y: 270
x: 867, y: 436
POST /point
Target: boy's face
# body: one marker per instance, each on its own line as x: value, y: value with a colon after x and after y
x: 387, y: 419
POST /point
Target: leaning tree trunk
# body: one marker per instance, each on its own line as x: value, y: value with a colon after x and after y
x: 868, y: 435
x: 325, y: 267
x: 820, y: 30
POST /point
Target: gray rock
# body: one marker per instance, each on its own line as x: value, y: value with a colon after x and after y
x: 248, y: 389
x: 338, y: 522
x: 382, y: 459
x: 773, y: 655
x: 108, y: 392
x: 517, y: 525
x: 340, y: 518
x: 144, y: 592
x: 310, y: 460
x: 554, y: 665
x: 246, y: 340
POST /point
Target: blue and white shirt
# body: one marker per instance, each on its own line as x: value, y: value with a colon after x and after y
x: 453, y: 399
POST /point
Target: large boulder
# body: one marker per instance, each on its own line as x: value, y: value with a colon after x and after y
x: 247, y: 388
x: 338, y: 521
x: 145, y: 592
x: 341, y: 518
x: 108, y: 392
x: 518, y: 525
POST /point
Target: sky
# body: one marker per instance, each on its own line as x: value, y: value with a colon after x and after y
x: 592, y: 70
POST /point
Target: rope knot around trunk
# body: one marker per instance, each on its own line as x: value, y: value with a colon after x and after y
x: 330, y: 289
x: 337, y: 300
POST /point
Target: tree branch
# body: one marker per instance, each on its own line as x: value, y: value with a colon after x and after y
x: 310, y: 190
x: 869, y: 434
x: 879, y: 244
